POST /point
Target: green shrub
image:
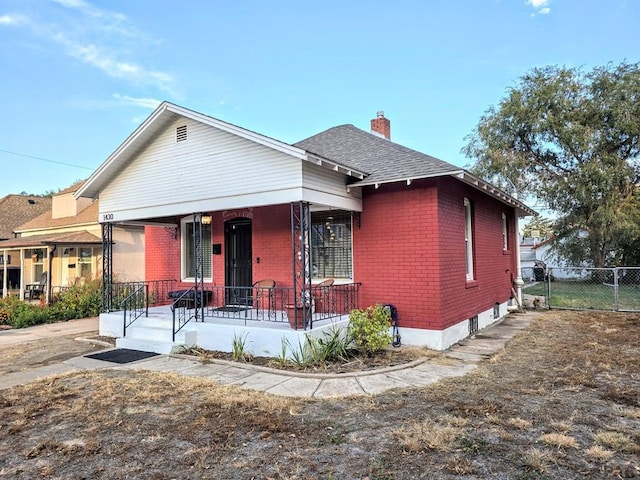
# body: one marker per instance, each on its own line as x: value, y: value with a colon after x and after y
x: 79, y: 301
x: 370, y: 328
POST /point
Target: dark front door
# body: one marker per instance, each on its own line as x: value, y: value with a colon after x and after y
x: 238, y: 272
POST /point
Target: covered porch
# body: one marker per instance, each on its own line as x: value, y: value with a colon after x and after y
x: 242, y: 273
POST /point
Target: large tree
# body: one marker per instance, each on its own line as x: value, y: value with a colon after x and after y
x: 572, y: 139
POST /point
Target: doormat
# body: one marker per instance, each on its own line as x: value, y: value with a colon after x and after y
x: 231, y: 309
x: 121, y: 355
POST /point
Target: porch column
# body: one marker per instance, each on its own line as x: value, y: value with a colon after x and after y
x: 4, y: 274
x: 301, y: 251
x: 198, y: 259
x: 107, y: 267
x: 22, y: 285
x: 519, y: 282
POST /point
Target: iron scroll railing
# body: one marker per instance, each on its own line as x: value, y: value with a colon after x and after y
x: 134, y: 306
x: 271, y: 304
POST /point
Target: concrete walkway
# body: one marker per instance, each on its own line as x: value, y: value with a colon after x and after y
x: 461, y: 359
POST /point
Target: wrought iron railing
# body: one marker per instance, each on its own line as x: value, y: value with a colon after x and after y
x: 158, y: 292
x: 277, y: 304
x: 134, y: 306
x: 184, y: 308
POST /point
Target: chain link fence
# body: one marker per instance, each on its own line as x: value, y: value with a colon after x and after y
x: 616, y: 289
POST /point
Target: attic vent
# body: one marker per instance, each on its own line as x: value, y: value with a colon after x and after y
x: 181, y: 133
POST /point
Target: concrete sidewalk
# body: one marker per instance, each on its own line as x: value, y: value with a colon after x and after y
x: 462, y: 358
x: 22, y: 335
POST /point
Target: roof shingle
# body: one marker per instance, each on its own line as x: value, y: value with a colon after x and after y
x: 383, y: 160
x: 18, y: 209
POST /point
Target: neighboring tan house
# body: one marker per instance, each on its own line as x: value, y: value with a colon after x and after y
x: 14, y: 211
x: 251, y: 227
x: 64, y: 245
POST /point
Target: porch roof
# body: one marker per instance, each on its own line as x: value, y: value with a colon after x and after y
x: 68, y: 238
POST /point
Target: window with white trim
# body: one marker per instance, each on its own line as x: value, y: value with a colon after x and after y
x: 188, y: 254
x: 505, y: 232
x: 331, y: 250
x: 468, y: 237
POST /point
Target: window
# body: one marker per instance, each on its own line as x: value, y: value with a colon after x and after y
x: 37, y: 263
x: 468, y: 237
x: 505, y: 232
x: 85, y: 262
x: 188, y: 254
x: 331, y: 254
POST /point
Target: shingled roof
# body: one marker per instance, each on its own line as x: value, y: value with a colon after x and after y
x: 18, y: 209
x: 382, y: 160
x: 87, y: 216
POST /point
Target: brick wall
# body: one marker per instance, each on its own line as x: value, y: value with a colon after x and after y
x: 396, y: 256
x: 494, y: 268
x: 410, y: 251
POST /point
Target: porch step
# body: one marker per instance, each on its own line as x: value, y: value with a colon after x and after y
x: 154, y: 339
x: 144, y: 345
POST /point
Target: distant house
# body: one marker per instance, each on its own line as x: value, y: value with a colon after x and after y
x: 14, y: 211
x: 343, y: 219
x: 63, y: 245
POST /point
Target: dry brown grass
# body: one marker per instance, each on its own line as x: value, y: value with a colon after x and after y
x: 544, y: 408
x: 559, y: 440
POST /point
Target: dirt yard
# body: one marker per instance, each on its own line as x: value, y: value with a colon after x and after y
x: 561, y: 401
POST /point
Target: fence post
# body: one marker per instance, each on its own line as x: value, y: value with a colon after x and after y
x: 616, y: 304
x: 548, y: 271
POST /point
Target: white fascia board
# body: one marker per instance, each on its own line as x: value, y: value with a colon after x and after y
x: 40, y: 230
x: 334, y: 201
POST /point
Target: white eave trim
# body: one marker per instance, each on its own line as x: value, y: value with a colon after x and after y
x: 495, y: 192
x: 405, y: 179
x: 336, y: 167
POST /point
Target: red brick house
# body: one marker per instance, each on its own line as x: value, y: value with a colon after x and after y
x: 368, y: 220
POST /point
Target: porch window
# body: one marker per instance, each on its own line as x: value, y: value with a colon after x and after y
x: 331, y: 251
x: 468, y: 237
x: 85, y: 262
x: 188, y: 254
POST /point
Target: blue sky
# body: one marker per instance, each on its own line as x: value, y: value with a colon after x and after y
x: 78, y: 76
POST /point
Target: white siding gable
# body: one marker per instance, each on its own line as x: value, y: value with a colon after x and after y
x: 210, y: 170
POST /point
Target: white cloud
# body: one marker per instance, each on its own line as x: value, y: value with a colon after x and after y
x: 99, y: 38
x: 13, y: 19
x: 541, y: 6
x: 150, y: 103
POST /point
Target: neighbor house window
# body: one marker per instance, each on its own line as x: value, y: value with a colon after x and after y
x: 38, y: 256
x: 505, y: 232
x: 331, y: 254
x: 468, y: 237
x: 85, y: 262
x: 188, y: 253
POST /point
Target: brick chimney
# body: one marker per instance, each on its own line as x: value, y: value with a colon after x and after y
x: 381, y: 125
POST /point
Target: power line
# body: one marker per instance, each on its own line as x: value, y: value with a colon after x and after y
x: 46, y: 159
